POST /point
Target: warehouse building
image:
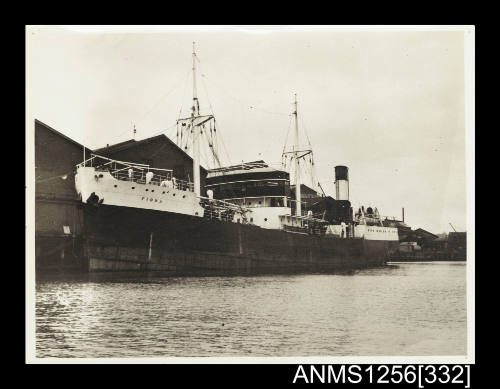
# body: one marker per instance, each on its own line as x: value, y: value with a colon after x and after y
x: 59, y: 222
x: 58, y: 217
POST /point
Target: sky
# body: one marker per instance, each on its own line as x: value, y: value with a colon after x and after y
x: 390, y: 105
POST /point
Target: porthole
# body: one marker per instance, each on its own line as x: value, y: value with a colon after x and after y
x: 152, y: 190
x: 184, y: 196
x: 156, y: 201
x: 173, y: 194
x: 265, y: 219
x: 116, y: 186
x: 133, y: 187
x: 163, y: 192
x: 147, y: 190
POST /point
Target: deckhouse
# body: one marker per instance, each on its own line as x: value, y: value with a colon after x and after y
x: 256, y: 186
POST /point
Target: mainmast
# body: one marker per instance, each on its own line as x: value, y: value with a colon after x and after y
x: 298, y: 206
x: 296, y: 153
x: 196, y: 141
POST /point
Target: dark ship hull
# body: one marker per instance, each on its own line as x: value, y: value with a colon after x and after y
x: 131, y: 239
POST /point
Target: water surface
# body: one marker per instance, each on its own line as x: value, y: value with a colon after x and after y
x: 401, y: 309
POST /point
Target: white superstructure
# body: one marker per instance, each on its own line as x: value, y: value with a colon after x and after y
x: 133, y: 185
x: 376, y: 232
x: 100, y: 180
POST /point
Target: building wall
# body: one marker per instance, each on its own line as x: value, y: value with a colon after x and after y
x: 55, y: 155
x: 457, y: 240
x: 52, y: 215
x: 55, y: 198
x: 56, y: 201
x: 305, y: 192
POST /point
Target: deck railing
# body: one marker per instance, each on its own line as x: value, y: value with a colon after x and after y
x: 223, y: 210
x: 165, y: 180
x: 253, y: 201
x: 139, y: 173
x: 304, y: 224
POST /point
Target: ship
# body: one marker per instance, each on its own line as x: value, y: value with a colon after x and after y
x: 248, y: 218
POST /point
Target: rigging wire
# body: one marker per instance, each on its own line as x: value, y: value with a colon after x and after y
x: 213, y: 134
x: 214, y: 154
x: 185, y: 133
x: 308, y: 168
x: 155, y: 105
x: 266, y: 111
x: 205, y: 89
x: 163, y: 146
x: 313, y: 166
x: 184, y: 96
x: 252, y: 107
x: 305, y: 131
x: 159, y: 132
x: 181, y: 131
x: 160, y: 99
x: 223, y: 145
x: 204, y: 154
x: 287, y: 133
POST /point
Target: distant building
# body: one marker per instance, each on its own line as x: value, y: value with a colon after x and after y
x: 305, y: 192
x: 403, y: 229
x: 457, y: 241
x: 423, y: 235
x: 441, y: 243
x: 408, y: 247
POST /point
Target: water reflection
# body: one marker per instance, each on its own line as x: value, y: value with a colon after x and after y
x: 401, y: 309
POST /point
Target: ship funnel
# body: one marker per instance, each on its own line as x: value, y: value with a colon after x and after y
x: 342, y: 183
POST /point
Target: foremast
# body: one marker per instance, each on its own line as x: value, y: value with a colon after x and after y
x: 194, y: 124
x: 196, y: 130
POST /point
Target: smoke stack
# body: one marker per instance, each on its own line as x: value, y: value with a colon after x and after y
x: 342, y: 182
x: 403, y: 215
